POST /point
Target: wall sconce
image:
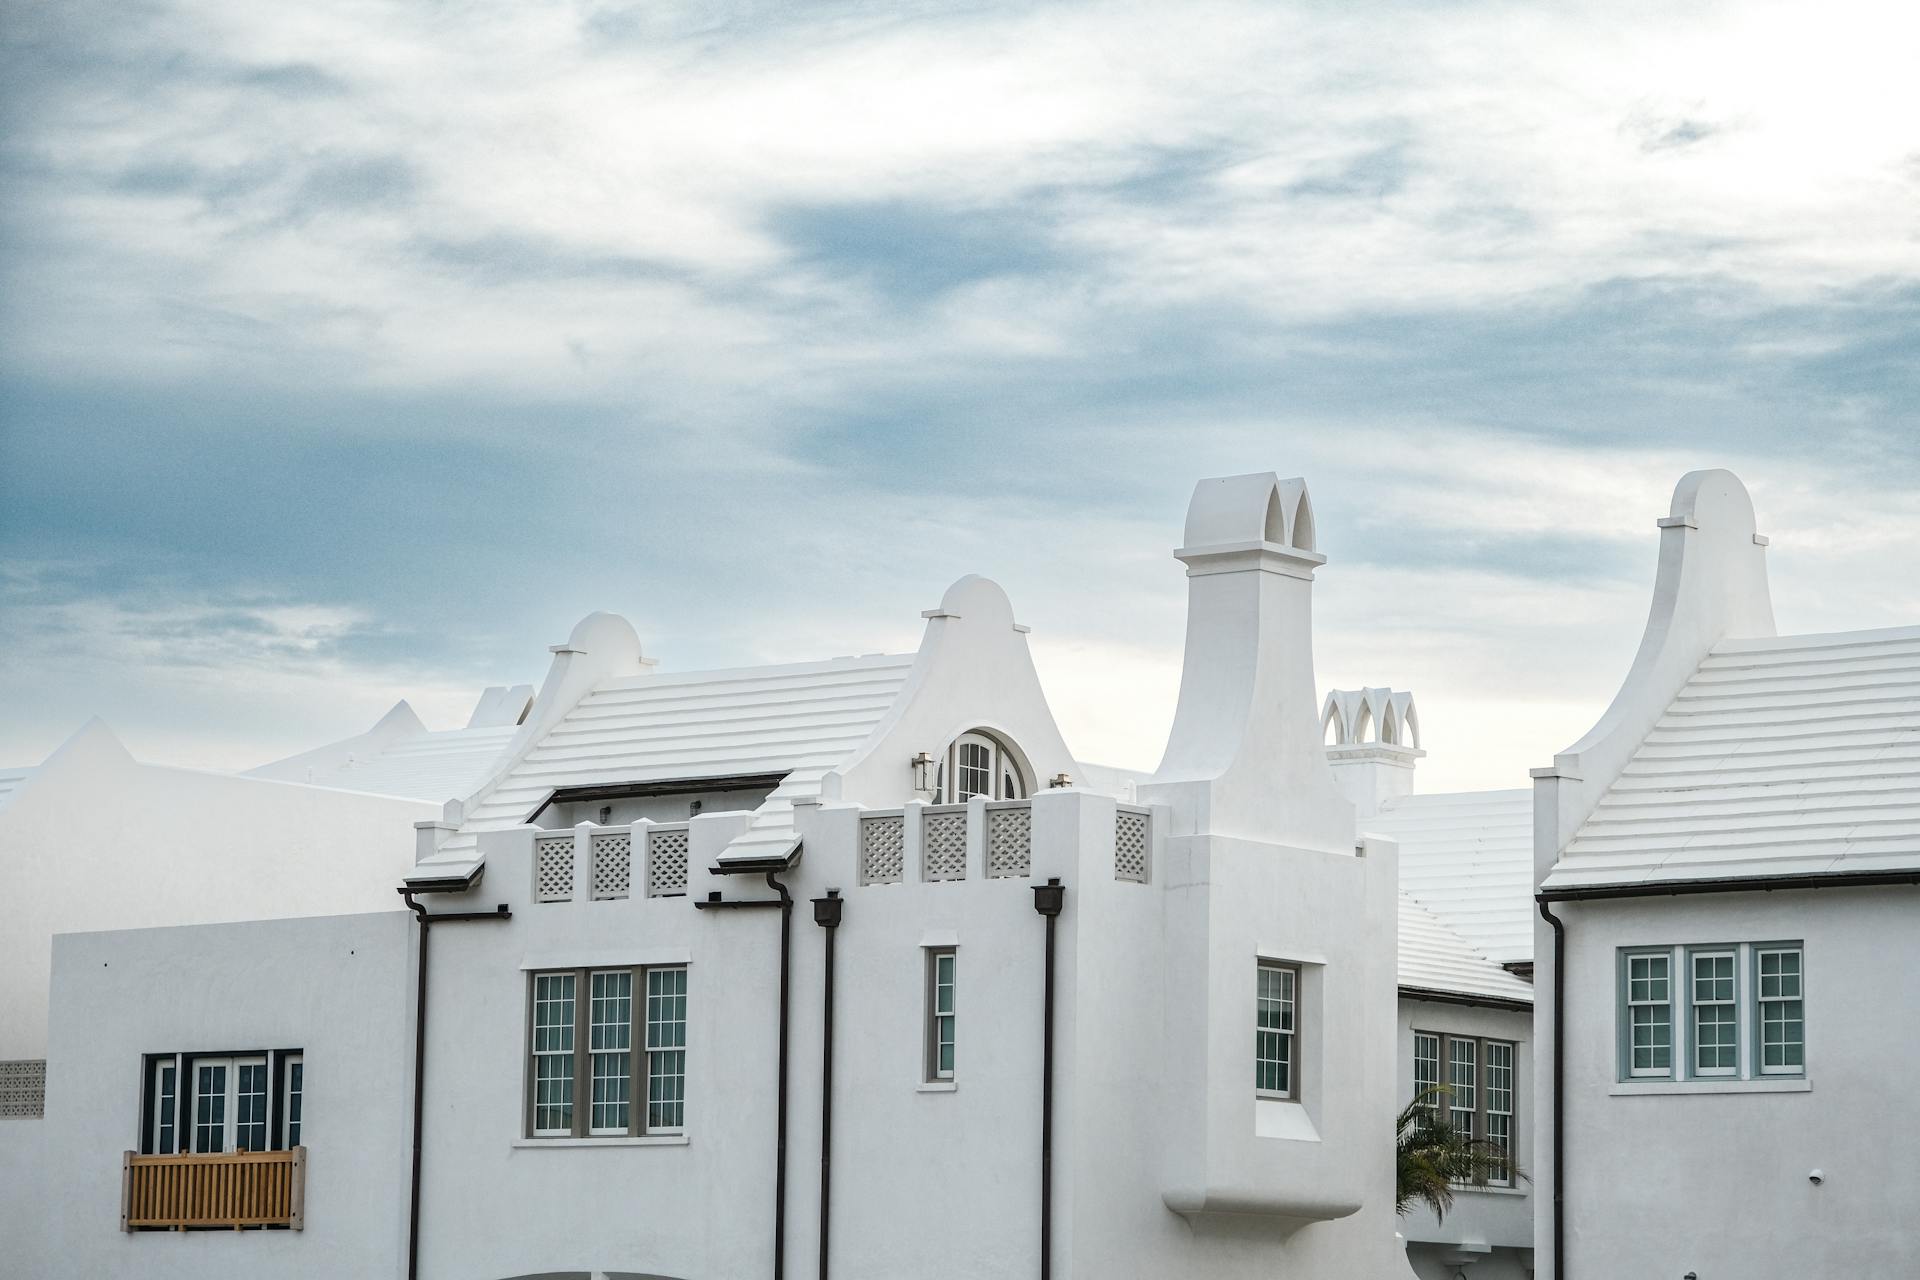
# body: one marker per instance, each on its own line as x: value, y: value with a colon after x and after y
x: 922, y: 772
x: 1060, y: 780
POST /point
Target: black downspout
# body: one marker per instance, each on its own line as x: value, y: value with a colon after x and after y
x: 1559, y: 1081
x: 1048, y: 899
x: 713, y: 901
x: 500, y: 912
x: 826, y: 914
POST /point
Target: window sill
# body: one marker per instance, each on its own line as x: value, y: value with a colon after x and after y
x: 1470, y: 1189
x: 1777, y: 1084
x: 936, y: 1086
x: 655, y: 1140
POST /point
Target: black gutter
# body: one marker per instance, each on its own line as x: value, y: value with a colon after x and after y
x: 1479, y: 1002
x: 1048, y: 899
x: 1559, y: 1086
x: 713, y: 901
x: 1671, y: 888
x: 500, y: 912
x: 826, y: 914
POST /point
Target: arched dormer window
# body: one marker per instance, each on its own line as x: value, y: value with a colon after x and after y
x: 978, y: 764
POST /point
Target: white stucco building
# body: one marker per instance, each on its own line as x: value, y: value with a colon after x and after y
x: 1728, y: 867
x: 603, y: 1075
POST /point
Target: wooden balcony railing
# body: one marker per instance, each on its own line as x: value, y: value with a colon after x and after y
x: 235, y: 1189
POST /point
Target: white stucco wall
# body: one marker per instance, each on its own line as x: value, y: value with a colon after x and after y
x: 338, y: 988
x: 100, y: 841
x: 1717, y: 1182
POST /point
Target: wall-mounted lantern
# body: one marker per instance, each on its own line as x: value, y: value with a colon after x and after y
x: 923, y: 772
x: 1060, y: 780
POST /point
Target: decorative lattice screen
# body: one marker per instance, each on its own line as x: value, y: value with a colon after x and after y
x: 23, y: 1088
x: 945, y: 835
x: 1009, y: 841
x: 553, y: 868
x: 666, y: 862
x: 1130, y: 846
x: 612, y: 864
x: 883, y: 850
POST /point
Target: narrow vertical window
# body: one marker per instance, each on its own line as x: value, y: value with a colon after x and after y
x: 209, y: 1106
x: 166, y: 1098
x: 610, y: 1042
x: 1649, y: 1015
x: 553, y: 1030
x: 1782, y: 1025
x: 1499, y: 1090
x: 942, y: 972
x: 296, y: 1088
x: 666, y: 1046
x: 975, y: 770
x: 1716, y: 1015
x: 1273, y: 1030
x: 1426, y: 1068
x: 250, y: 1105
x: 1463, y: 1077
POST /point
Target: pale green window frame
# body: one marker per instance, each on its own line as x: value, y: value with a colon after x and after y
x: 1780, y: 993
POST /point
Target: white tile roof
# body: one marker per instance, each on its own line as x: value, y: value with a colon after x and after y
x: 797, y: 720
x: 1435, y: 958
x: 11, y: 780
x: 446, y: 765
x: 1468, y: 857
x: 1787, y: 756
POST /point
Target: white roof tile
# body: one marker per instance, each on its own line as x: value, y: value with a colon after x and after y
x: 438, y: 766
x: 1468, y: 857
x: 1435, y: 958
x: 1787, y: 756
x: 797, y: 720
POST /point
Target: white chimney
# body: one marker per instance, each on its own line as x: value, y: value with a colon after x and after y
x: 1244, y: 758
x: 1375, y: 741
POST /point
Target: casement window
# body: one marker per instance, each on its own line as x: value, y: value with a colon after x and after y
x: 1726, y: 1012
x: 943, y: 965
x: 1479, y: 1076
x: 598, y: 1039
x: 979, y: 764
x: 204, y: 1103
x: 1275, y: 1030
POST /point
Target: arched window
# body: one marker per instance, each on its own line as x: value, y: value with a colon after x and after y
x: 978, y: 764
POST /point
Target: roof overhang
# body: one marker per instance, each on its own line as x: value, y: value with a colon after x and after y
x: 451, y: 877
x: 1466, y: 998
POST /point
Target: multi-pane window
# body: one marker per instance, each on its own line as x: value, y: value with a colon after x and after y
x: 666, y: 1050
x: 1276, y: 1007
x: 1480, y: 1086
x: 1463, y: 1083
x: 1716, y: 1017
x: 978, y: 764
x: 942, y: 973
x: 1734, y: 1011
x: 219, y: 1102
x: 597, y: 1040
x: 1650, y: 1014
x: 1782, y: 1031
x: 1499, y: 1099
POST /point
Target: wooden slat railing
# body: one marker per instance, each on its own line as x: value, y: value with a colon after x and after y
x: 233, y: 1189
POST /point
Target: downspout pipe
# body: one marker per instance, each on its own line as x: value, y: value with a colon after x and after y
x: 1048, y: 900
x: 501, y: 912
x: 1559, y: 1086
x: 1671, y: 888
x: 826, y: 913
x: 774, y: 868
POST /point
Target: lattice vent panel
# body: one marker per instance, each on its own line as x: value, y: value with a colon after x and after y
x: 946, y: 846
x: 883, y: 850
x: 23, y: 1088
x: 1009, y: 841
x: 553, y: 868
x: 667, y: 862
x: 612, y: 864
x: 1130, y: 847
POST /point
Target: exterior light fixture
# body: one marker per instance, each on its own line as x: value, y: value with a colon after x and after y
x: 1060, y: 780
x: 922, y: 772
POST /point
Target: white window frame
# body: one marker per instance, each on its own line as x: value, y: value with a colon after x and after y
x: 169, y: 1071
x: 229, y: 1099
x: 1761, y: 1000
x: 1006, y: 778
x: 1491, y: 1093
x: 293, y: 1129
x: 1285, y: 1035
x: 1728, y: 1005
x: 1475, y: 1098
x: 1426, y: 1080
x: 653, y: 1041
x: 943, y: 1014
x: 1628, y: 1003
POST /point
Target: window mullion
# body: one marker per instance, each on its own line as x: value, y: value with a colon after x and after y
x: 582, y: 1060
x: 636, y: 1051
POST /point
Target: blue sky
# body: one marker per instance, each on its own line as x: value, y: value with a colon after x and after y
x: 353, y: 351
